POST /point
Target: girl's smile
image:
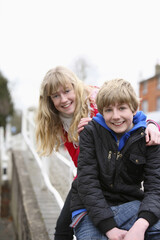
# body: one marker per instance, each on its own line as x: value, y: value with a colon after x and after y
x: 64, y: 99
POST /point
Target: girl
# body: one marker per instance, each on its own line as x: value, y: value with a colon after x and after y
x: 66, y: 104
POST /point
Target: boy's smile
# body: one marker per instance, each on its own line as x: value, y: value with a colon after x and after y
x: 118, y: 117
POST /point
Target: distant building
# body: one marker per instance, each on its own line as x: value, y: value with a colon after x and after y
x: 149, y: 92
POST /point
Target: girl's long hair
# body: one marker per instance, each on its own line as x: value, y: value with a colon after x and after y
x: 49, y: 129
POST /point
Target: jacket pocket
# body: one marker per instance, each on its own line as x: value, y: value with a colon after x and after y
x: 135, y: 167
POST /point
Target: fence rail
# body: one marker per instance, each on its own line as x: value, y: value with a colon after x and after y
x: 28, y: 132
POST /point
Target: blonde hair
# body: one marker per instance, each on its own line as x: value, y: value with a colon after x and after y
x: 117, y: 90
x: 49, y: 129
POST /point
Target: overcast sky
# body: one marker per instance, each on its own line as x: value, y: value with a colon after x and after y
x: 119, y: 38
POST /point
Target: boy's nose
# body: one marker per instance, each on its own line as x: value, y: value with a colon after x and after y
x: 115, y: 114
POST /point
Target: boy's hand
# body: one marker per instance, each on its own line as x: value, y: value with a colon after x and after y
x: 82, y: 123
x: 152, y: 135
x: 137, y: 231
x: 116, y: 234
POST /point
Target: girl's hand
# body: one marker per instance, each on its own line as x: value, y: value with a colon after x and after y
x: 82, y: 123
x: 116, y: 234
x: 152, y: 135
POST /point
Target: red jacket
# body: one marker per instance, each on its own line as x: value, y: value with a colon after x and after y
x: 72, y: 150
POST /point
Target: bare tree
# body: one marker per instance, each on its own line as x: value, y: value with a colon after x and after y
x: 80, y: 68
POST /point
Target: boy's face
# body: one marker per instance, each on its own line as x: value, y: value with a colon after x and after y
x: 119, y: 118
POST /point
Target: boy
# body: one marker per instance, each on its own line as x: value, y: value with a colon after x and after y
x: 107, y: 198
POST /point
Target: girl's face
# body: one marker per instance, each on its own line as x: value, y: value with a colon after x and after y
x: 64, y: 99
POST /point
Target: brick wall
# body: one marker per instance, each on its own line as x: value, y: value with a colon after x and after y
x: 5, y: 200
x: 151, y: 94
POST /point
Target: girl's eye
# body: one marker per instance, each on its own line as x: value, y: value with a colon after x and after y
x: 67, y: 90
x: 54, y: 96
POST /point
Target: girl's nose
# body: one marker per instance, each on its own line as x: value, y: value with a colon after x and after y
x: 63, y: 98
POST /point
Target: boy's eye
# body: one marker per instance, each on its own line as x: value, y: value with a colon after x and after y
x: 108, y: 109
x: 122, y: 108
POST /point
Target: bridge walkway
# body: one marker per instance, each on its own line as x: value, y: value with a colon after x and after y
x: 47, y: 202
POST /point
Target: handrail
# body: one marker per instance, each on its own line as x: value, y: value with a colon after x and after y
x: 27, y: 119
x: 4, y: 158
x: 45, y: 176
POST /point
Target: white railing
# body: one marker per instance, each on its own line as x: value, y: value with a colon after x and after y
x: 28, y: 132
x: 5, y: 168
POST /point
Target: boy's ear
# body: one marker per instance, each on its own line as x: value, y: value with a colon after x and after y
x: 134, y: 113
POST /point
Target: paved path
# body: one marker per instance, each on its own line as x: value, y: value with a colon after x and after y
x: 6, y: 229
x: 48, y: 205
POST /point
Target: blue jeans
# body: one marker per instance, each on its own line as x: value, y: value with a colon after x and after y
x: 125, y: 215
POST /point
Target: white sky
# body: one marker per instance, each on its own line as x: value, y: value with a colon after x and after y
x: 120, y: 38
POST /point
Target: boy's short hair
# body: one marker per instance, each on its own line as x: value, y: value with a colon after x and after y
x: 117, y: 91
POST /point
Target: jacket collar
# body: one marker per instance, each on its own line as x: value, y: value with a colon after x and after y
x: 139, y: 121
